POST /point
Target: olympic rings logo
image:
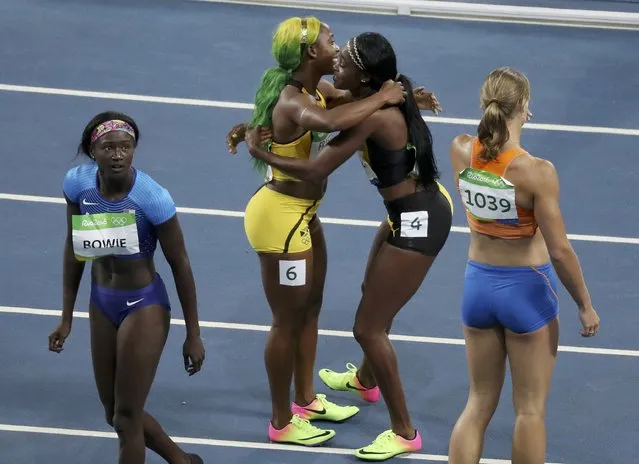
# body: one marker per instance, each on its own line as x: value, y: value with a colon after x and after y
x: 118, y: 221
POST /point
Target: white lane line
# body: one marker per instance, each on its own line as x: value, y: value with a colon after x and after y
x: 85, y: 433
x: 325, y: 220
x: 249, y: 106
x: 325, y: 332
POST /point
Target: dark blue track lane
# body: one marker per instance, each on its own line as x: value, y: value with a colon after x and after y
x: 218, y: 52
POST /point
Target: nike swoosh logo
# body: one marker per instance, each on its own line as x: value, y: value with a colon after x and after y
x: 323, y: 434
x: 86, y: 203
x: 322, y: 411
x: 131, y: 303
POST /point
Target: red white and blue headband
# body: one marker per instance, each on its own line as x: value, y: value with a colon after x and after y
x: 111, y: 126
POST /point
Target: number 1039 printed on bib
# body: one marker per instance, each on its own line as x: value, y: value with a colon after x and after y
x: 488, y: 197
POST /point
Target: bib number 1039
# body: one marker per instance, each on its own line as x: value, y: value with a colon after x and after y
x: 488, y: 196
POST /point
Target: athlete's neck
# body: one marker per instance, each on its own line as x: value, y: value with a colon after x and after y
x: 308, y: 77
x: 115, y: 188
x: 362, y: 92
x: 514, y: 134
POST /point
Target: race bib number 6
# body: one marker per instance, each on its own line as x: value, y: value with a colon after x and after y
x: 487, y: 196
x: 97, y: 235
x: 293, y: 273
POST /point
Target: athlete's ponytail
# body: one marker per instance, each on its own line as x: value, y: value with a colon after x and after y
x: 374, y: 55
x: 420, y: 135
x: 504, y: 92
x: 288, y: 42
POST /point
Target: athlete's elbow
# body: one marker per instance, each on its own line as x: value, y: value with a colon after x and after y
x: 327, y: 125
x: 179, y: 262
x: 559, y: 253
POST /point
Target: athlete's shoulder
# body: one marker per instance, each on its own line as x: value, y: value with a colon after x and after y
x: 146, y: 182
x: 461, y: 148
x: 544, y: 168
x: 155, y: 201
x: 462, y: 142
x: 78, y: 179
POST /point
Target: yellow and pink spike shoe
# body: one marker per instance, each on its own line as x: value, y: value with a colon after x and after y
x: 388, y: 445
x: 322, y: 409
x: 299, y: 432
x: 348, y: 381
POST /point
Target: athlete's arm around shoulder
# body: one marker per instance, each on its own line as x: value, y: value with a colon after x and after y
x: 333, y: 155
x: 303, y: 111
x: 544, y: 184
x: 334, y: 97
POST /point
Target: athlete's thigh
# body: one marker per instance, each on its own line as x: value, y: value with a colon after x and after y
x: 383, y: 231
x: 140, y: 342
x: 532, y: 359
x: 394, y: 277
x: 103, y: 354
x: 486, y: 356
x: 287, y: 279
x: 320, y: 263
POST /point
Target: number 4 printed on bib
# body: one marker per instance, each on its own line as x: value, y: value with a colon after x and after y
x: 414, y: 224
x: 293, y: 273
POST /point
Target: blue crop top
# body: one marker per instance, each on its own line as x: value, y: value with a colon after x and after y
x: 102, y: 226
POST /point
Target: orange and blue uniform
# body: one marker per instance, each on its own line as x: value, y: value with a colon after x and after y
x: 520, y: 298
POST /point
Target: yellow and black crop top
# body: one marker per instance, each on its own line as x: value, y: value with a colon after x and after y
x: 307, y: 146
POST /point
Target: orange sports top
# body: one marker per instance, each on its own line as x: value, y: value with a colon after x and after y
x: 521, y: 225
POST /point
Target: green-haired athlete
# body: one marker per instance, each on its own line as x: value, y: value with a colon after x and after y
x: 280, y: 220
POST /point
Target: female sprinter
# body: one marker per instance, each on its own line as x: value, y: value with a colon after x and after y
x: 281, y: 225
x: 509, y: 306
x: 115, y: 216
x: 398, y: 158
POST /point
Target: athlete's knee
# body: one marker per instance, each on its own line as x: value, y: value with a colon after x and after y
x: 482, y: 406
x: 108, y: 414
x: 314, y: 306
x: 126, y: 419
x: 530, y: 410
x: 290, y: 321
x: 366, y: 333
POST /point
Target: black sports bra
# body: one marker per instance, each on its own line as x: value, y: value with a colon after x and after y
x: 386, y: 168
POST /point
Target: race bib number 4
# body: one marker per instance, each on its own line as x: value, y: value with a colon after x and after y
x: 98, y: 235
x: 488, y: 197
x: 414, y: 224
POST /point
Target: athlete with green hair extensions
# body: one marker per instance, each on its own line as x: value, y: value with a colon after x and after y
x: 280, y: 220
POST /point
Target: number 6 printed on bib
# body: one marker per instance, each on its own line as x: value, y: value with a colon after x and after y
x: 293, y: 273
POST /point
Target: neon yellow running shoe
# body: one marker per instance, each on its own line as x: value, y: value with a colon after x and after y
x: 322, y: 409
x: 348, y: 381
x: 299, y: 432
x: 388, y: 445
